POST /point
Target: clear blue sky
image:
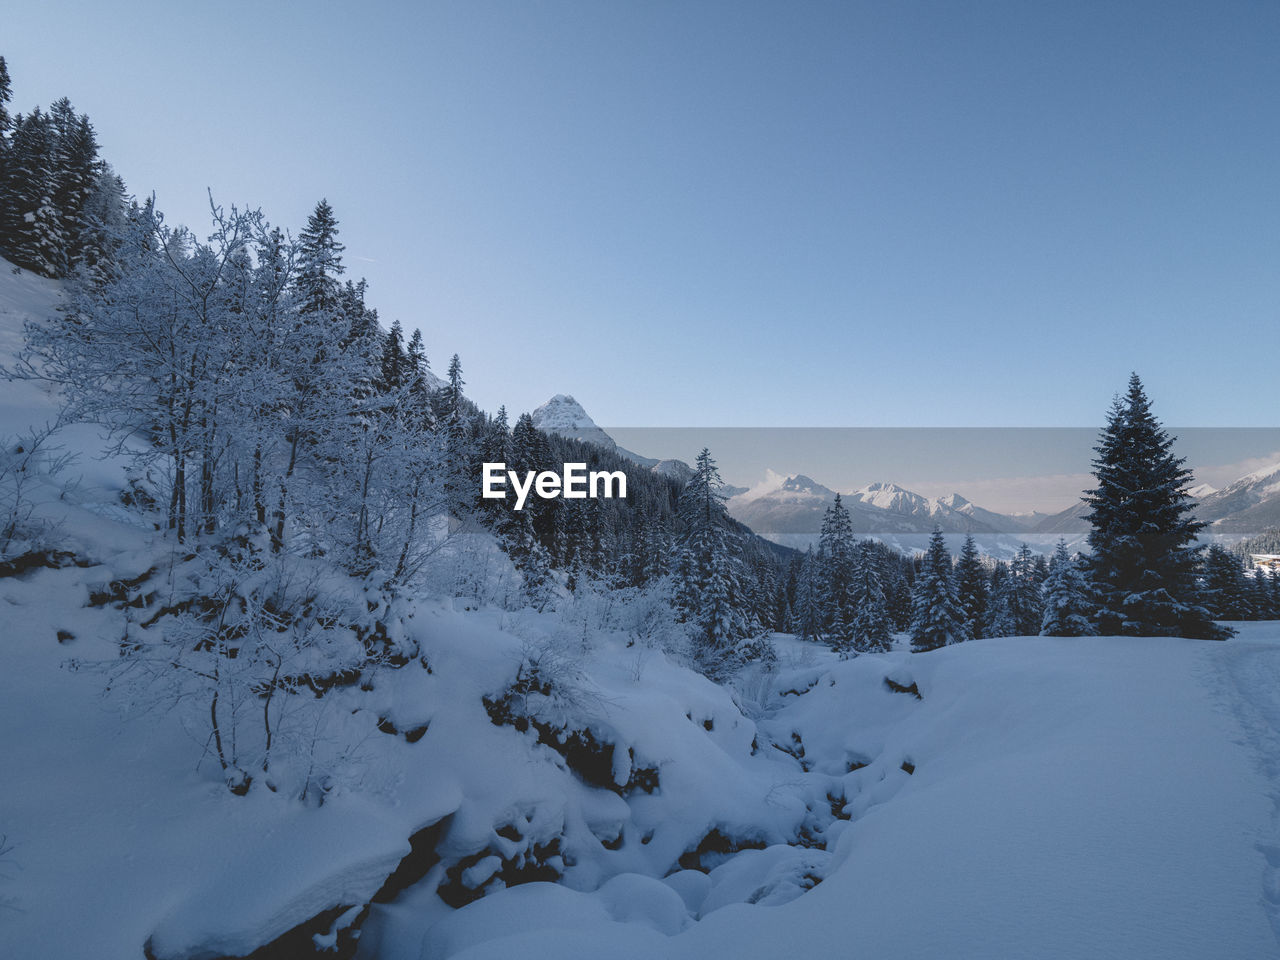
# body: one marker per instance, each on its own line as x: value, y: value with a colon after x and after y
x: 741, y: 213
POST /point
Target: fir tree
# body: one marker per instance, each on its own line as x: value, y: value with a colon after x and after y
x: 1144, y: 559
x: 709, y: 591
x: 393, y: 367
x: 6, y: 95
x: 870, y: 614
x: 1002, y: 619
x: 937, y: 617
x: 806, y: 610
x: 1025, y: 607
x: 971, y: 585
x: 836, y: 559
x: 1226, y: 591
x: 319, y: 262
x: 1066, y: 598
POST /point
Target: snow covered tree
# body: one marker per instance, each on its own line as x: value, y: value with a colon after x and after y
x: 102, y: 228
x: 806, y: 611
x: 1002, y: 619
x: 1067, y: 606
x: 1226, y: 591
x: 1025, y: 605
x: 836, y: 562
x: 1144, y: 560
x: 971, y: 585
x: 870, y: 615
x: 319, y: 262
x: 709, y: 589
x: 937, y: 617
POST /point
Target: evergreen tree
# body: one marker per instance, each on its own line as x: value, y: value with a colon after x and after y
x: 1226, y: 591
x: 937, y: 617
x: 1002, y: 619
x: 319, y: 262
x: 102, y: 228
x: 6, y: 95
x: 32, y: 225
x: 807, y: 608
x: 394, y: 366
x: 1066, y: 598
x: 6, y: 124
x: 709, y: 589
x: 1025, y: 605
x: 870, y: 614
x: 1144, y: 559
x: 971, y: 585
x: 836, y: 558
x: 1256, y: 596
x: 76, y: 166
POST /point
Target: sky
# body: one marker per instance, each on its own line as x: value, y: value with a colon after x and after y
x: 740, y: 214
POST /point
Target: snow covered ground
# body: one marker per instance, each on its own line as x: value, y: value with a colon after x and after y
x: 1069, y: 798
x: 1045, y: 797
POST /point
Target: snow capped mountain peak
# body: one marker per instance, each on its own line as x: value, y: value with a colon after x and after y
x: 1200, y: 491
x: 565, y: 417
x: 802, y: 484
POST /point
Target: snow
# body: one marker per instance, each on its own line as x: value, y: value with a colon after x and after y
x: 1073, y: 797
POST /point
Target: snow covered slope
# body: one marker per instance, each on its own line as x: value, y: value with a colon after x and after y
x: 1248, y: 505
x: 1046, y: 798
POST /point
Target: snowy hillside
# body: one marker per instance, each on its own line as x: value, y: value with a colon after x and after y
x: 1036, y: 802
x: 1248, y: 505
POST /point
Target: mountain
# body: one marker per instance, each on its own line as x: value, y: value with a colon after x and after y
x: 789, y: 511
x: 565, y: 417
x: 1070, y: 520
x: 1248, y: 505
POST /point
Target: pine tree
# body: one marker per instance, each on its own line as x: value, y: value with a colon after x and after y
x: 102, y: 228
x: 1226, y: 591
x: 319, y: 262
x: 394, y: 365
x: 6, y: 124
x: 937, y: 617
x: 1025, y: 605
x: 709, y: 589
x: 1143, y: 538
x: 32, y: 226
x: 870, y: 614
x: 1066, y: 598
x: 76, y: 168
x: 807, y: 609
x: 1002, y: 619
x: 836, y: 559
x: 971, y: 585
x: 6, y: 95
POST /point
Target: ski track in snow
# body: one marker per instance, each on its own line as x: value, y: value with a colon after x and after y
x: 1246, y: 682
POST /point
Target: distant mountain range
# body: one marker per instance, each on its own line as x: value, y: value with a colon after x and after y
x: 789, y: 509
